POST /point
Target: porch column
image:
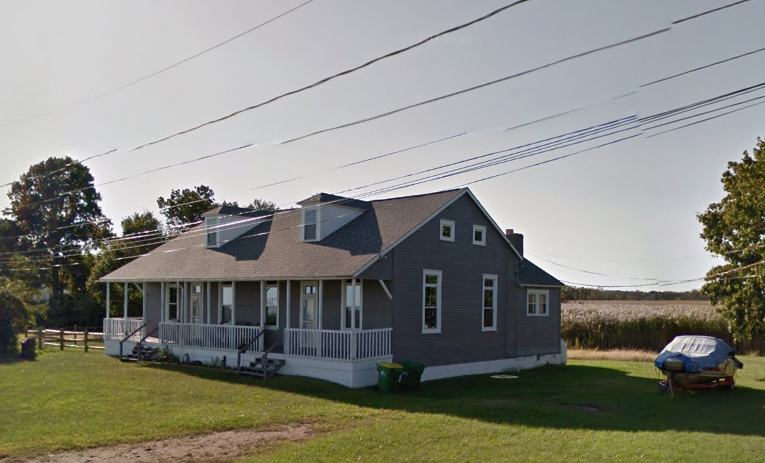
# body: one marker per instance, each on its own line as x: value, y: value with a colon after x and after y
x: 233, y: 302
x: 289, y: 306
x: 143, y: 299
x: 209, y: 309
x: 125, y: 302
x: 108, y: 299
x: 321, y: 303
x: 263, y: 304
x: 185, y: 307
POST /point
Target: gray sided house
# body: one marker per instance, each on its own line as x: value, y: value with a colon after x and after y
x: 329, y: 289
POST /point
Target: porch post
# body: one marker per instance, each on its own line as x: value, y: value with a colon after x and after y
x: 321, y: 303
x: 125, y: 302
x: 353, y: 305
x: 262, y: 304
x: 233, y: 302
x: 186, y: 298
x: 162, y: 313
x: 289, y: 309
x: 209, y: 310
x: 143, y: 300
x: 108, y: 299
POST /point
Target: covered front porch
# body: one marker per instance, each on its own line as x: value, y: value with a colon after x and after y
x: 329, y: 328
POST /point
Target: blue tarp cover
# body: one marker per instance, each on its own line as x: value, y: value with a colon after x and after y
x: 697, y: 352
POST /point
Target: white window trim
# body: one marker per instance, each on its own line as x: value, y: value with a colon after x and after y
x: 439, y: 302
x: 344, y: 303
x: 487, y: 276
x: 178, y: 301
x: 482, y: 229
x: 221, y: 285
x: 447, y: 223
x: 266, y: 325
x: 213, y: 223
x: 538, y: 292
x: 318, y: 224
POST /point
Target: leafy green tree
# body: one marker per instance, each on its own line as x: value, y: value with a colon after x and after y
x: 9, y: 232
x: 187, y: 205
x: 141, y: 222
x: 256, y: 205
x: 734, y: 229
x: 13, y: 319
x: 56, y: 206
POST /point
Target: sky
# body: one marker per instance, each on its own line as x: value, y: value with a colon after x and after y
x: 619, y: 215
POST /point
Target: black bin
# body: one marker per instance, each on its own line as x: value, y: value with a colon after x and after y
x: 28, y: 348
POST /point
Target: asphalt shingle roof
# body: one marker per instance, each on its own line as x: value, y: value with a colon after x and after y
x: 531, y: 275
x: 273, y: 250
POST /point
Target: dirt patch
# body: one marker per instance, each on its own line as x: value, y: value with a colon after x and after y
x: 215, y: 447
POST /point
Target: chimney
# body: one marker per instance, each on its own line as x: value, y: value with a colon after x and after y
x: 516, y: 239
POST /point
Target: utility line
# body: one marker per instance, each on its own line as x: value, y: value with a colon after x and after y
x: 155, y: 73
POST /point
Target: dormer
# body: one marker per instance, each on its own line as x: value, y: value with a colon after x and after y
x: 225, y: 223
x: 323, y: 214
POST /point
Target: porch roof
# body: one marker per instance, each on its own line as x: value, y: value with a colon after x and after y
x: 273, y: 249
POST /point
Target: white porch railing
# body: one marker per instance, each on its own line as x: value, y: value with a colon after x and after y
x: 216, y: 337
x: 333, y: 345
x: 118, y: 328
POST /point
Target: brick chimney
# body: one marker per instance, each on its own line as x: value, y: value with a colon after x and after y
x: 516, y: 239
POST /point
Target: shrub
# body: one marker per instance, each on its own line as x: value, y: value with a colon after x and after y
x: 13, y: 320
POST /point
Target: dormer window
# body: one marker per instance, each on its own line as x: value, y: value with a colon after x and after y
x: 310, y: 224
x: 213, y: 232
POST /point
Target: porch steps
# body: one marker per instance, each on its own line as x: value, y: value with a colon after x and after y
x: 147, y: 353
x: 264, y: 368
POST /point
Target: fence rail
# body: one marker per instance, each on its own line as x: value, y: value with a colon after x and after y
x: 343, y: 346
x: 75, y: 338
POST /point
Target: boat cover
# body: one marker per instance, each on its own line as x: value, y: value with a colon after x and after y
x: 697, y: 352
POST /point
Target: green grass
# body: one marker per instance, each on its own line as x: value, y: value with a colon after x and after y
x: 74, y: 400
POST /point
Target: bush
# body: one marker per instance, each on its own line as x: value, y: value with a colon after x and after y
x: 13, y: 320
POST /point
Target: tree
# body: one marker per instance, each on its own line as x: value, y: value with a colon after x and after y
x: 187, y: 206
x: 9, y: 232
x: 140, y: 222
x: 263, y: 205
x: 56, y: 206
x: 734, y: 229
x: 13, y: 317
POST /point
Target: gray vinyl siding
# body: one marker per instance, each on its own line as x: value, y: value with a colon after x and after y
x: 214, y: 303
x: 462, y: 265
x: 538, y: 335
x: 377, y: 308
x: 380, y: 270
x: 247, y: 296
x: 153, y: 296
x: 294, y: 308
x: 330, y: 319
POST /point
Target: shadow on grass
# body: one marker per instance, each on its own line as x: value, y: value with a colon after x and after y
x: 563, y: 397
x: 11, y: 357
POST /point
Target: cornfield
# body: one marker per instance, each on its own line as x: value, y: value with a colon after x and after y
x: 642, y: 325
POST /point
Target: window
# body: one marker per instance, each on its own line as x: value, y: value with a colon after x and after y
x: 479, y: 235
x: 352, y: 305
x: 272, y: 306
x: 212, y: 232
x: 227, y: 303
x: 173, y: 302
x: 447, y: 230
x: 489, y: 299
x: 310, y: 224
x: 431, y: 301
x: 537, y: 302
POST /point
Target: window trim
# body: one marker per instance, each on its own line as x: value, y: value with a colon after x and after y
x: 317, y: 224
x: 482, y: 229
x: 537, y: 293
x: 265, y: 322
x: 450, y: 224
x: 221, y: 286
x: 494, y: 287
x: 215, y: 223
x: 439, y: 301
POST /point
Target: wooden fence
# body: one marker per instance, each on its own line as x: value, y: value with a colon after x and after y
x: 68, y: 337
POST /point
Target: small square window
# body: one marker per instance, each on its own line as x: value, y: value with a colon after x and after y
x: 447, y: 230
x: 479, y: 235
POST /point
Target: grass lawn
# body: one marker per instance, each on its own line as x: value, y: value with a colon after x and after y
x: 589, y: 410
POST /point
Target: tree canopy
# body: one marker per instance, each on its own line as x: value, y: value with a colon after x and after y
x: 734, y: 229
x: 187, y: 205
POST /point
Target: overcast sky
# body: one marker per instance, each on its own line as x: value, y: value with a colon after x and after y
x: 627, y: 210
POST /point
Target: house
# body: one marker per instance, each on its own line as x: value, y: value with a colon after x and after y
x: 336, y: 285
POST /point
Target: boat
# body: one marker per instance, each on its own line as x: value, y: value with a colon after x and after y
x: 696, y: 362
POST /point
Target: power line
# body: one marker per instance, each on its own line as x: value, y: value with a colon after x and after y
x: 674, y: 76
x: 705, y: 120
x: 713, y: 10
x: 155, y: 73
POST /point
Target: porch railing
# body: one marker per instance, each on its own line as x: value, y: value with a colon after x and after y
x: 118, y: 328
x: 343, y: 346
x: 216, y: 337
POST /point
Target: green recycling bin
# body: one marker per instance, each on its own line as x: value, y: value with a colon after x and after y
x: 411, y: 374
x: 388, y: 375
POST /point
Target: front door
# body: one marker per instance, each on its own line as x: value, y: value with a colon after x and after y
x: 309, y: 316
